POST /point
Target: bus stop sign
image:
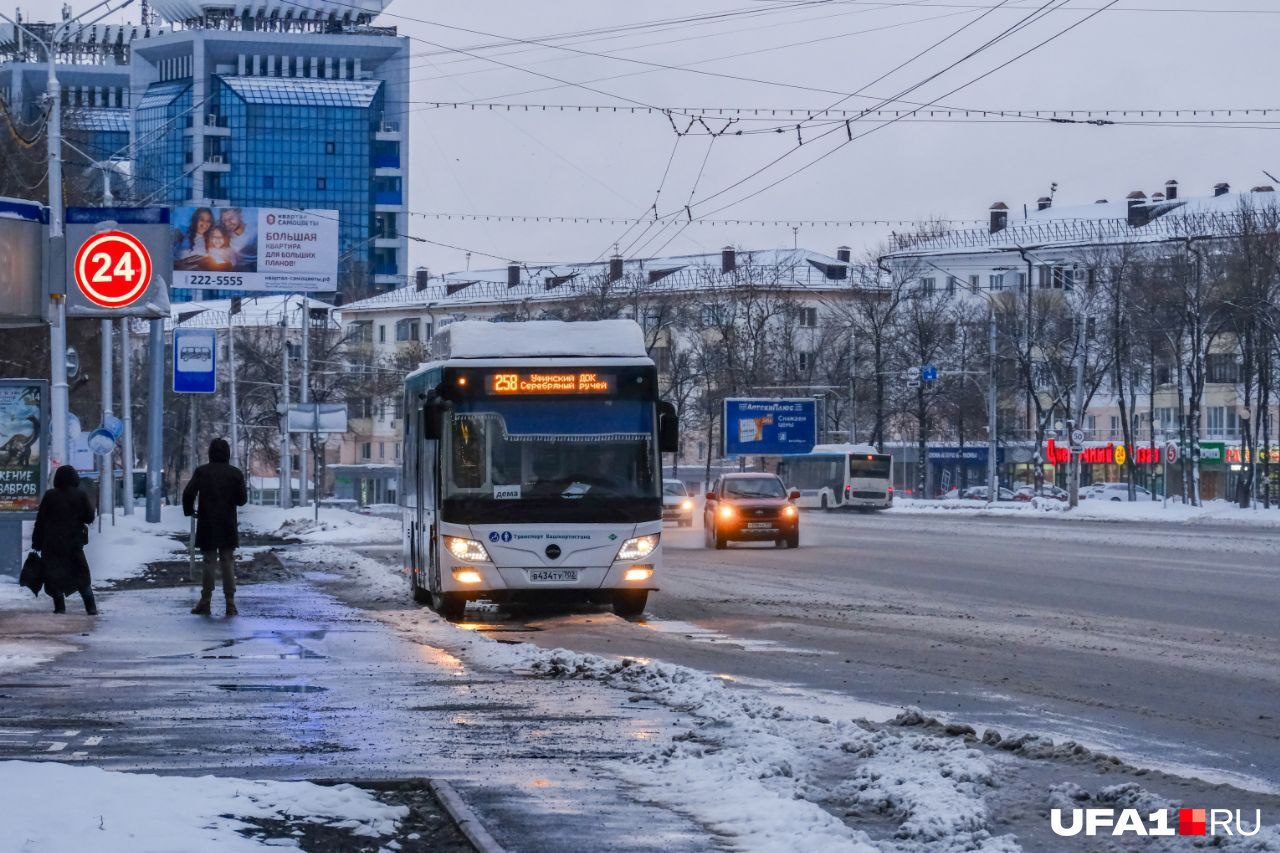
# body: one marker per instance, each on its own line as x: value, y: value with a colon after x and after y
x: 195, y: 354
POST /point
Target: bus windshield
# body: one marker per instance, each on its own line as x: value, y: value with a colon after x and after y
x: 550, y: 460
x: 876, y: 466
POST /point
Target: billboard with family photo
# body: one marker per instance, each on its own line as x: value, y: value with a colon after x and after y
x: 255, y: 248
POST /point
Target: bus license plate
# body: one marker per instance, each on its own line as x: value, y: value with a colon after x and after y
x: 553, y: 576
x: 760, y: 525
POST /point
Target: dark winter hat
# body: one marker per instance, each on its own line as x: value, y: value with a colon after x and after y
x: 219, y: 450
x: 66, y: 477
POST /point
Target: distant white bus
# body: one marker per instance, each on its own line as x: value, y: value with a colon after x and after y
x: 840, y: 475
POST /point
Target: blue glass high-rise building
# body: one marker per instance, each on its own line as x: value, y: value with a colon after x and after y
x: 294, y: 104
x: 277, y: 103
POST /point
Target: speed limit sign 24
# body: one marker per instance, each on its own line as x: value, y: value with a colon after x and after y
x: 112, y: 269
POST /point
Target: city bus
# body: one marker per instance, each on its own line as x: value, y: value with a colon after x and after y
x: 840, y: 475
x: 531, y: 466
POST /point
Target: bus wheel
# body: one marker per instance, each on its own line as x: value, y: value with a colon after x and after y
x: 450, y: 605
x: 825, y: 506
x: 629, y: 603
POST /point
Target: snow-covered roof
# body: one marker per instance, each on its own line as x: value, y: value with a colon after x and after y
x: 255, y: 312
x: 185, y: 10
x: 1101, y: 224
x: 785, y: 269
x: 541, y: 339
x: 304, y: 92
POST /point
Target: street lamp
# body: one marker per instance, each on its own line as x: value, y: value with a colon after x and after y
x: 59, y: 407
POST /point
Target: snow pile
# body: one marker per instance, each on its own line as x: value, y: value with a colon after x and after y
x: 334, y: 525
x: 755, y: 771
x: 58, y: 808
x: 1215, y: 512
x: 121, y: 550
x: 19, y: 654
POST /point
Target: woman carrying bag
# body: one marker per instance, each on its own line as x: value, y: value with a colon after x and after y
x: 60, y: 534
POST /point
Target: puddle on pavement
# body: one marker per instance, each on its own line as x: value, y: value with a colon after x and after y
x: 271, y: 688
x: 496, y: 627
x: 261, y: 645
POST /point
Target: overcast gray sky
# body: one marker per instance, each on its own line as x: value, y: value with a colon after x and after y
x: 1139, y: 54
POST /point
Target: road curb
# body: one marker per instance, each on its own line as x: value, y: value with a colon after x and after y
x: 468, y: 823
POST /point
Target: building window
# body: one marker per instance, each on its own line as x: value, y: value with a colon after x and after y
x: 806, y: 360
x: 996, y: 282
x: 331, y: 147
x: 1115, y: 425
x: 322, y: 183
x: 382, y: 450
x: 268, y: 182
x: 406, y: 330
x: 1022, y: 281
x: 397, y: 451
x: 1064, y: 278
x: 973, y: 284
x: 928, y: 286
x: 382, y: 333
x: 1221, y: 367
x: 809, y: 318
x: 360, y: 332
x: 952, y: 285
x: 397, y: 408
x: 366, y: 450
x: 1045, y: 277
x: 1091, y: 424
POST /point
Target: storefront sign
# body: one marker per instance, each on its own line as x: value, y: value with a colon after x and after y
x: 1106, y: 454
x: 1239, y: 456
x: 975, y: 454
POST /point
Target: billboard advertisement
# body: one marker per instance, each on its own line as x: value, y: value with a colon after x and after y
x: 770, y: 427
x: 108, y: 250
x: 255, y: 248
x: 21, y: 265
x: 23, y: 404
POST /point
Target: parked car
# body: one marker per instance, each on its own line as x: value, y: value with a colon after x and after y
x: 751, y: 507
x: 979, y: 493
x: 677, y: 503
x: 1117, y: 492
x: 1027, y: 492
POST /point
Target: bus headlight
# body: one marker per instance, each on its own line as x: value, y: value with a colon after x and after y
x: 467, y: 550
x: 638, y: 573
x: 638, y: 548
x: 466, y: 574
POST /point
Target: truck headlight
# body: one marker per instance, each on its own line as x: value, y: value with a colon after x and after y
x: 638, y: 548
x: 687, y: 506
x: 467, y: 550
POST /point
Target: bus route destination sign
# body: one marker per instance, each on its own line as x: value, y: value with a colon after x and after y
x: 551, y: 382
x: 770, y: 427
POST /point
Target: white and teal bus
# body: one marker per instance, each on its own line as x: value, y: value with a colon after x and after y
x: 531, y: 465
x: 840, y: 475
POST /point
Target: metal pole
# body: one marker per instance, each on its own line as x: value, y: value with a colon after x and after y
x: 234, y: 419
x: 59, y: 403
x: 304, y: 393
x: 286, y: 475
x: 992, y: 446
x: 315, y: 426
x: 1077, y: 410
x: 106, y: 494
x: 126, y: 410
x: 155, y: 420
x: 195, y: 432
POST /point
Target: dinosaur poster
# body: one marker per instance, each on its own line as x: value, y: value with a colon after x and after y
x: 21, y: 414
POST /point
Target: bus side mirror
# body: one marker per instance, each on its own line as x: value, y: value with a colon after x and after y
x: 668, y: 428
x: 433, y: 414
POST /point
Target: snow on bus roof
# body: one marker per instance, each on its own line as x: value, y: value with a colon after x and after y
x: 541, y: 339
x: 844, y: 448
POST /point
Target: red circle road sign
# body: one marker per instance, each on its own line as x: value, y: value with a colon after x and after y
x: 113, y: 269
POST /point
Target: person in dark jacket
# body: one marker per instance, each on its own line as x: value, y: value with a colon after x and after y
x: 219, y: 486
x: 60, y: 534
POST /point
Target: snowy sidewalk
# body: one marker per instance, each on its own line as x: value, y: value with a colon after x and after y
x: 1212, y: 512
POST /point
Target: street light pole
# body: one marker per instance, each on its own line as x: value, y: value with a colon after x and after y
x: 1077, y: 411
x: 992, y: 444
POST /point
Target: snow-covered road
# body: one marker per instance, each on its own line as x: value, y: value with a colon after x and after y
x: 757, y: 707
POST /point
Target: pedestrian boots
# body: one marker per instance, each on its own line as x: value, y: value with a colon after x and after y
x: 202, y: 606
x: 231, y: 606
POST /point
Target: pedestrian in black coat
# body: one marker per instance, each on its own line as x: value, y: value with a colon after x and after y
x: 60, y: 534
x: 219, y: 487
